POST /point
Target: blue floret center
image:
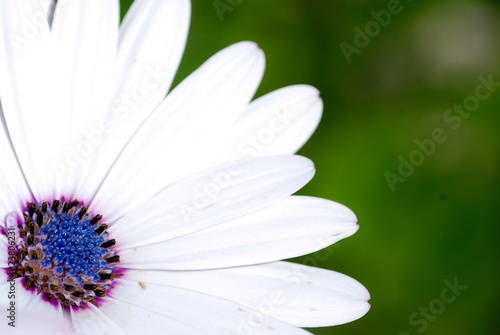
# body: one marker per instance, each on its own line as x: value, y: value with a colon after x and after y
x: 73, y: 246
x: 64, y: 252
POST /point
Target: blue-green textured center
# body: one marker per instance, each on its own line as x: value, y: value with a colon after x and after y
x: 64, y: 253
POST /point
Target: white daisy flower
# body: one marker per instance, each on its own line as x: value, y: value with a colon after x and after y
x: 125, y: 212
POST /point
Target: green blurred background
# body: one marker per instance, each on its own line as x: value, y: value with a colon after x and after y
x: 441, y: 223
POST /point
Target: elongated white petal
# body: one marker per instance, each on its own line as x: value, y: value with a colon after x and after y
x: 93, y: 321
x: 85, y: 37
x: 14, y: 190
x: 277, y: 123
x: 301, y: 295
x: 292, y: 227
x: 151, y: 42
x: 211, y: 197
x: 211, y: 314
x: 26, y: 87
x: 133, y: 319
x: 174, y: 142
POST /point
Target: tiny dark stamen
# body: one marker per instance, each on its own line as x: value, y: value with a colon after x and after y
x: 105, y: 276
x: 114, y: 259
x: 39, y: 219
x: 101, y: 229
x: 31, y: 227
x: 23, y: 232
x: 108, y: 244
x: 100, y: 293
x: 23, y: 253
x: 44, y: 207
x: 96, y: 219
x: 34, y: 255
x: 20, y: 270
x: 69, y: 288
x: 74, y: 203
x: 30, y: 224
x: 65, y: 302
x: 66, y: 207
x: 55, y: 205
x: 29, y: 284
x: 78, y: 294
x: 83, y: 211
x: 90, y: 287
x: 31, y: 209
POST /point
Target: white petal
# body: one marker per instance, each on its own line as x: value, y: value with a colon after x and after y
x: 301, y: 295
x: 180, y: 136
x: 152, y: 40
x: 44, y: 318
x: 211, y: 314
x: 48, y: 7
x: 212, y: 197
x: 13, y: 293
x: 137, y: 320
x: 85, y: 37
x: 151, y: 43
x: 22, y: 296
x: 9, y: 202
x: 26, y: 88
x: 14, y: 190
x: 277, y: 123
x: 292, y: 227
x: 93, y: 321
x: 32, y: 313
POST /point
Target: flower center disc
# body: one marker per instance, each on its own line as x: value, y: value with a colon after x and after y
x: 64, y: 252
